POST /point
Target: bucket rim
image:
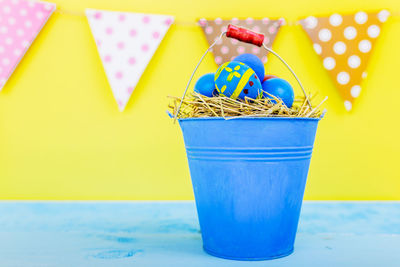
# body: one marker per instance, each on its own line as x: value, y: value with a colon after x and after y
x: 250, y: 118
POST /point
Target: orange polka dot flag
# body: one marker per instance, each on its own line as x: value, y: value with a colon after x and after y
x: 126, y: 42
x: 227, y: 49
x: 345, y: 43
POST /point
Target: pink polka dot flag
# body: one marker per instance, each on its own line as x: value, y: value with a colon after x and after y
x: 126, y: 42
x: 20, y: 23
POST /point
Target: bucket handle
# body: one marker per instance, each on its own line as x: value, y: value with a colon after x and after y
x: 246, y: 36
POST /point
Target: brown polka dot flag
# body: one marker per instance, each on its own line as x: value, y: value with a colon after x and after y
x: 228, y: 48
x: 344, y: 43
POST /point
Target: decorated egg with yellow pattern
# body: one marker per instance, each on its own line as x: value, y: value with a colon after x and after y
x: 237, y: 80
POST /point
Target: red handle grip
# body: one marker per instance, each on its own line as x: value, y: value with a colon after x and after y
x: 245, y: 35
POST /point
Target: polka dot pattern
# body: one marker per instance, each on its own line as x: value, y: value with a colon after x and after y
x: 229, y: 48
x: 126, y: 42
x: 383, y: 15
x: 324, y: 35
x: 317, y: 48
x: 311, y: 22
x: 350, y: 33
x: 354, y: 61
x: 355, y: 91
x: 329, y: 63
x: 364, y: 46
x: 339, y: 48
x: 344, y: 43
x: 373, y: 31
x: 348, y: 105
x: 361, y: 17
x: 343, y: 77
x: 20, y: 22
x: 335, y: 20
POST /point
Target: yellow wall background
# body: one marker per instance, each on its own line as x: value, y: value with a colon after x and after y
x: 62, y: 136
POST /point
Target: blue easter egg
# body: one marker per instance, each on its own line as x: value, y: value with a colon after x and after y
x: 237, y: 80
x: 279, y: 88
x: 205, y: 85
x: 253, y: 62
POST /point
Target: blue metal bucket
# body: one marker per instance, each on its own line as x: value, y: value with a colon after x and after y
x: 248, y: 177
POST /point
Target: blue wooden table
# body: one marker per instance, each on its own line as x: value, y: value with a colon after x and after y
x: 167, y: 234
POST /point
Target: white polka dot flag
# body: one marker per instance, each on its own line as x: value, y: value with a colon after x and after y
x: 20, y: 23
x: 227, y: 49
x: 126, y: 42
x: 344, y: 43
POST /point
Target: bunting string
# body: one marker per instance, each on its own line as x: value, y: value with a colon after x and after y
x: 192, y: 23
x: 82, y: 15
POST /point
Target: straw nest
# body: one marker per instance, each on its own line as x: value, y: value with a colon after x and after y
x: 196, y: 105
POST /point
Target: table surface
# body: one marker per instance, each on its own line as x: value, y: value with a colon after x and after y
x: 167, y: 234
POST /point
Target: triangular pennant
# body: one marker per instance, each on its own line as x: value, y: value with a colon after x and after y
x: 126, y: 43
x: 20, y: 23
x: 344, y: 43
x: 227, y: 49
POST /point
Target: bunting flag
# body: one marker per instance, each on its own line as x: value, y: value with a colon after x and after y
x: 126, y: 43
x: 344, y: 43
x: 228, y: 48
x: 20, y: 23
